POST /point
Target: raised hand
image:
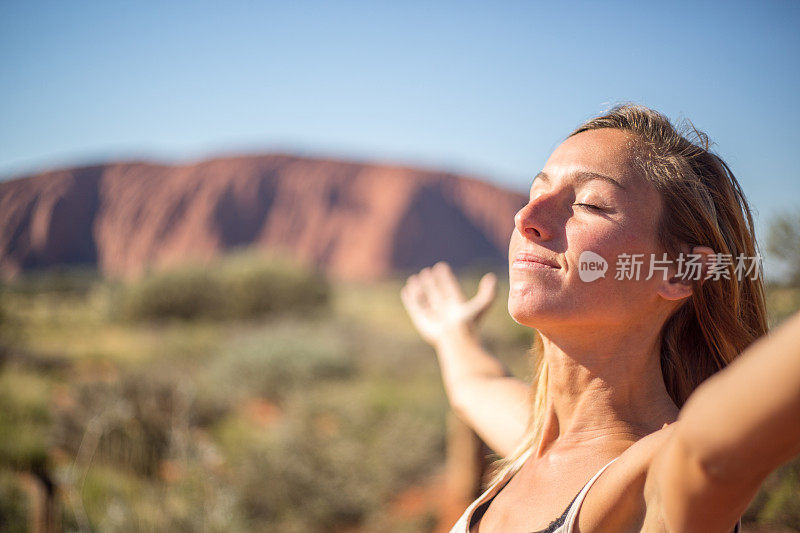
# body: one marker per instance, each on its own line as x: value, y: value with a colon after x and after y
x: 437, y: 306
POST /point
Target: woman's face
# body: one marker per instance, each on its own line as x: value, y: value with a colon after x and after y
x: 587, y: 198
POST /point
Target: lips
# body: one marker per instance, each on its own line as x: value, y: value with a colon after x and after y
x: 533, y: 260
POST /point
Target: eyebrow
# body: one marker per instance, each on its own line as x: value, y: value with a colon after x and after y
x: 582, y: 176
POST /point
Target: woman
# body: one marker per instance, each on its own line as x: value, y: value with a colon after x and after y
x: 615, y: 424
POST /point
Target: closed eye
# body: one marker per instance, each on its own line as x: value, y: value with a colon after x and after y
x: 590, y: 207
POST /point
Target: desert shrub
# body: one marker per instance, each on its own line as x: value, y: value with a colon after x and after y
x: 24, y: 420
x: 777, y: 502
x: 268, y: 363
x: 14, y: 505
x: 63, y: 279
x: 130, y: 422
x: 342, y: 446
x: 11, y: 326
x: 4, y: 325
x: 783, y: 242
x: 782, y: 302
x: 338, y: 454
x: 120, y: 501
x: 136, y: 456
x: 3, y: 312
x: 185, y: 293
x: 243, y: 286
x: 259, y: 286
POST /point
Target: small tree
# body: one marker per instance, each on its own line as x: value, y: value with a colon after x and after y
x: 783, y: 242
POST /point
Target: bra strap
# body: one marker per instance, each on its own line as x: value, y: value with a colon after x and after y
x: 576, y: 505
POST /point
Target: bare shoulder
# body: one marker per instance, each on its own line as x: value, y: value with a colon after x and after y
x: 615, y: 502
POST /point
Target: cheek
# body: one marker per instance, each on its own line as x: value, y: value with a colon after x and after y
x: 597, y: 239
x: 608, y: 241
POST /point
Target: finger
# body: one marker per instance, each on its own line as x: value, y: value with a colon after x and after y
x: 408, y: 299
x: 416, y: 293
x: 431, y: 288
x: 447, y: 281
x: 487, y: 290
x: 417, y: 311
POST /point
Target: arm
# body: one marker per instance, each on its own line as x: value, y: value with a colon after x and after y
x: 735, y: 429
x: 481, y: 390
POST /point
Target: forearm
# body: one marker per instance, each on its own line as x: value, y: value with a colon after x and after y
x: 464, y: 362
x: 483, y: 392
x: 745, y: 421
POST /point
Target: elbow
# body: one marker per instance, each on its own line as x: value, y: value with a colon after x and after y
x: 457, y: 405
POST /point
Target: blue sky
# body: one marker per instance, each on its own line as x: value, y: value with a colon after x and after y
x: 484, y: 88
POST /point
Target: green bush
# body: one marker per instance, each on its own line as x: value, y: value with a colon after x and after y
x: 4, y: 326
x: 270, y: 362
x: 258, y: 287
x: 241, y: 286
x: 121, y: 436
x: 119, y: 501
x: 130, y: 422
x: 24, y: 420
x: 783, y: 242
x: 14, y: 505
x: 339, y: 453
x: 188, y: 293
x: 342, y: 446
x: 62, y: 279
x: 777, y: 502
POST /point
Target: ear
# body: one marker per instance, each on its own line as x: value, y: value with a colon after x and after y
x: 679, y: 283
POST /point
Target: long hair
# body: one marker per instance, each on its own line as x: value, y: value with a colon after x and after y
x: 703, y: 205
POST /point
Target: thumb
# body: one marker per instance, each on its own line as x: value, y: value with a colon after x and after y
x: 487, y: 290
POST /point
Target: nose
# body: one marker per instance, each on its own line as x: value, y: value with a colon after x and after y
x: 529, y: 220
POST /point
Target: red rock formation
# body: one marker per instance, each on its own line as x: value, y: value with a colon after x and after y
x: 353, y: 220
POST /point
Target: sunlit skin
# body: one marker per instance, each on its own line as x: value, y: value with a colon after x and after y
x: 600, y: 338
x: 559, y: 222
x: 693, y: 469
x: 605, y: 385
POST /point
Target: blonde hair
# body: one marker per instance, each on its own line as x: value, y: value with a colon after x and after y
x: 703, y: 205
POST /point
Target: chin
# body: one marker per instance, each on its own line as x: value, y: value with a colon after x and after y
x: 528, y: 314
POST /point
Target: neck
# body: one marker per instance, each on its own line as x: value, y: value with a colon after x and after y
x: 603, y: 384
